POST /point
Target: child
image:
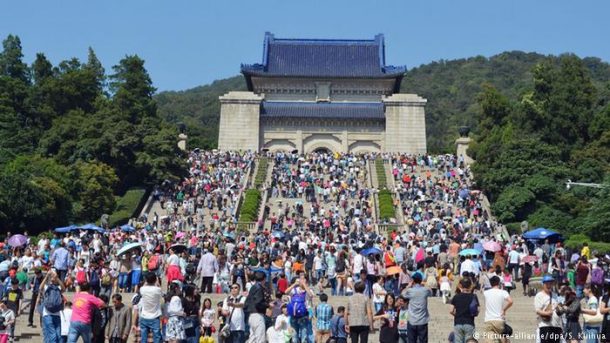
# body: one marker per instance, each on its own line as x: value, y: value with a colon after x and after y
x: 65, y: 316
x: 7, y: 321
x: 445, y: 285
x: 571, y: 276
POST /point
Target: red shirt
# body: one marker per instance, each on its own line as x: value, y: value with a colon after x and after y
x: 282, y: 285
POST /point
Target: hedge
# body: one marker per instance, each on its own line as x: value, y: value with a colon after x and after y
x: 249, y: 208
x: 575, y: 242
x: 261, y: 172
x: 127, y: 206
x: 386, y: 205
x: 382, y: 182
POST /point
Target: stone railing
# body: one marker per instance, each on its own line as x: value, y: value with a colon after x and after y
x: 385, y: 229
x: 242, y: 189
x: 246, y: 226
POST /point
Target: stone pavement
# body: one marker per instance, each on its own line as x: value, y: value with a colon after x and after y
x: 521, y: 317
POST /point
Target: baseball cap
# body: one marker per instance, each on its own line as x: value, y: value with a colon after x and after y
x: 548, y: 278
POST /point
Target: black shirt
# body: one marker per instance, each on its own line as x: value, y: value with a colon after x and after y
x: 461, y: 302
x: 389, y: 330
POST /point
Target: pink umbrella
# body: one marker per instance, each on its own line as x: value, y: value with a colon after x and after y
x: 492, y: 246
x: 180, y: 235
x: 530, y: 258
x: 17, y: 240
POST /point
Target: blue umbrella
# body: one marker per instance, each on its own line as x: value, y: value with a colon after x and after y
x: 278, y: 234
x: 230, y: 235
x: 65, y: 229
x: 91, y: 227
x: 128, y: 247
x: 369, y: 251
x: 470, y: 252
x: 127, y: 228
x: 543, y: 234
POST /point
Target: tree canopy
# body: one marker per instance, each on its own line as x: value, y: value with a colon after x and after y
x: 72, y: 138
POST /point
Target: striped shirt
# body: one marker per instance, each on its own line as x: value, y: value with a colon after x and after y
x: 324, y: 313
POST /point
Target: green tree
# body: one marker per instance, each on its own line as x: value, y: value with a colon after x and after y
x: 42, y: 69
x: 95, y: 190
x: 34, y: 193
x: 133, y: 90
x: 11, y: 63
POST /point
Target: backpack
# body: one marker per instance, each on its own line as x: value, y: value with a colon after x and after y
x: 94, y: 279
x: 53, y: 301
x: 153, y: 263
x: 106, y: 279
x: 597, y: 276
x: 297, y: 307
x: 473, y: 307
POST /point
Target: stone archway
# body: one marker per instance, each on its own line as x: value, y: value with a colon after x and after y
x: 322, y: 141
x: 322, y: 150
x: 359, y: 147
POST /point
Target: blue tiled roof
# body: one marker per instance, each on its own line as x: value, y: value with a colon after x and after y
x: 323, y: 58
x: 334, y: 110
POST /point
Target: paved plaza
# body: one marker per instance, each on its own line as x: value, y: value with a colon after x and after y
x: 521, y: 317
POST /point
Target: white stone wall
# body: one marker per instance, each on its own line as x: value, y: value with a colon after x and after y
x: 405, y: 124
x: 239, y: 121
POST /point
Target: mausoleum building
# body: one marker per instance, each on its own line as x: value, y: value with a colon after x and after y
x: 323, y: 94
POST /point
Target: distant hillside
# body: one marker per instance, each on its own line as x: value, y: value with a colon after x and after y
x: 451, y: 88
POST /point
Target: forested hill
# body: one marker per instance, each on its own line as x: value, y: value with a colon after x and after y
x: 451, y: 88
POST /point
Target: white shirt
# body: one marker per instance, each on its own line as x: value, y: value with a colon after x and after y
x: 237, y: 319
x: 317, y: 263
x: 541, y: 301
x: 378, y: 298
x: 494, y: 303
x: 65, y: 316
x: 358, y: 264
x: 467, y: 266
x: 150, y: 303
x: 513, y: 257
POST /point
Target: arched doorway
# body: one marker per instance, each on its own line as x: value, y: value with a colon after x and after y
x: 322, y: 150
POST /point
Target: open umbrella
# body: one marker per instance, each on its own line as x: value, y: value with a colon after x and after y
x: 278, y: 234
x: 369, y: 251
x: 127, y: 228
x: 530, y: 258
x: 469, y: 252
x: 128, y: 247
x: 91, y: 227
x: 393, y: 270
x: 178, y: 248
x: 17, y: 240
x: 543, y: 234
x: 492, y: 246
x: 65, y: 229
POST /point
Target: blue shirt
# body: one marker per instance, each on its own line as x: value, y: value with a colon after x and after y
x: 324, y: 313
x: 337, y: 325
x: 60, y: 258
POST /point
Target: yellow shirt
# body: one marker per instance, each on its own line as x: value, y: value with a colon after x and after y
x: 586, y: 252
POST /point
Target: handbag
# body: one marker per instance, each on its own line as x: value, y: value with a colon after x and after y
x: 593, y: 319
x: 225, y: 332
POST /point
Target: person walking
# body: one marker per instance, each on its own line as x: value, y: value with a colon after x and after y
x: 323, y: 314
x: 233, y: 310
x: 497, y: 302
x: 51, y: 302
x: 417, y: 294
x: 591, y: 309
x: 256, y: 305
x: 464, y: 308
x: 149, y: 307
x: 59, y: 260
x: 83, y: 305
x: 337, y: 326
x: 207, y: 267
x: 545, y: 304
x: 119, y: 321
x: 35, y: 284
x: 359, y: 315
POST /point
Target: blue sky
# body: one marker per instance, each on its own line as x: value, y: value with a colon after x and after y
x: 190, y: 43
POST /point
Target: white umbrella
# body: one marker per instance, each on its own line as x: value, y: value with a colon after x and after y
x: 128, y: 248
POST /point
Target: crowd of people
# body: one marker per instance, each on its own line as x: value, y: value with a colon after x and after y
x: 156, y: 279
